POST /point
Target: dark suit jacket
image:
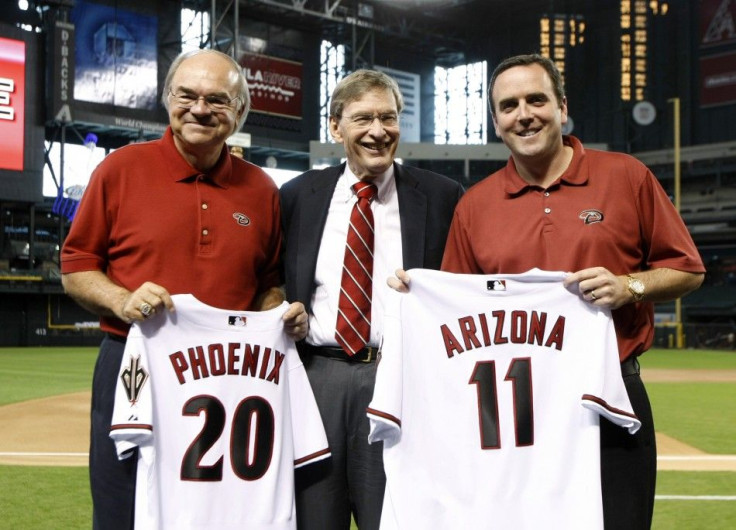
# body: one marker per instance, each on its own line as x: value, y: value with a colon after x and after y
x: 426, y: 205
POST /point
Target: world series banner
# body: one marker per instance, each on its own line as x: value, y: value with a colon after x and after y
x: 275, y: 85
x: 12, y: 103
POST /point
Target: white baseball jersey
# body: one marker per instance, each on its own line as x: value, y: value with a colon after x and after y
x: 488, y: 396
x: 220, y: 407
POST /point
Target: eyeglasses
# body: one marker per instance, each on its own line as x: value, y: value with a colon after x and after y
x: 216, y: 103
x: 366, y: 120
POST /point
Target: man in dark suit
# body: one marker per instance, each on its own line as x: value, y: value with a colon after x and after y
x: 409, y: 212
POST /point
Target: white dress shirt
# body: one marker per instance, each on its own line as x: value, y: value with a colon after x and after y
x: 387, y: 256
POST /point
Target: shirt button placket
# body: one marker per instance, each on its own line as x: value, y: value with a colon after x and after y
x: 205, y: 237
x: 205, y: 223
x: 547, y: 222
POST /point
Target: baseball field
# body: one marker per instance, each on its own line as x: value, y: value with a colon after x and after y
x: 44, y: 407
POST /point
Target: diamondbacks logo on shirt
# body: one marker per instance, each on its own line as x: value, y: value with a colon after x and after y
x: 241, y: 218
x: 591, y: 216
x: 134, y: 377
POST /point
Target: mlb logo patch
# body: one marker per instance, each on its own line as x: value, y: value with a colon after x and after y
x: 496, y: 285
x: 237, y: 320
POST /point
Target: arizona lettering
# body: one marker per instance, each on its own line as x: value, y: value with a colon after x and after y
x: 482, y: 330
x: 227, y: 359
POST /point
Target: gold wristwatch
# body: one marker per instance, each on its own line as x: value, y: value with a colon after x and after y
x: 636, y: 287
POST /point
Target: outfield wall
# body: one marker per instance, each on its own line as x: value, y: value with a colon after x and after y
x: 45, y: 319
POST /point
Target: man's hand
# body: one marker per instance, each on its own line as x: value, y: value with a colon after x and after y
x: 400, y: 282
x: 95, y: 292
x: 144, y: 302
x: 296, y: 322
x: 600, y: 287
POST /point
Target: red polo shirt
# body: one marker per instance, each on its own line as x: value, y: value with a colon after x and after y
x: 606, y: 210
x: 147, y: 215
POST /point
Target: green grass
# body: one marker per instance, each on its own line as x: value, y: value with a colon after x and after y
x: 31, y: 373
x: 689, y: 359
x: 700, y: 414
x: 696, y: 514
x: 45, y: 497
x: 696, y: 483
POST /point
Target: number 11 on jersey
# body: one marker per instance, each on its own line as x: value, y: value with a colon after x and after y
x: 519, y: 375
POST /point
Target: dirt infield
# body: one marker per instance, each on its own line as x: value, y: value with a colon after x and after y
x: 55, y: 431
x: 52, y: 431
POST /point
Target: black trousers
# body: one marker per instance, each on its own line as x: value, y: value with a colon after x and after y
x: 629, y: 465
x: 112, y: 481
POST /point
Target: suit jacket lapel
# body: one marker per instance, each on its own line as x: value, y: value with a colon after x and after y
x: 312, y: 219
x: 413, y: 214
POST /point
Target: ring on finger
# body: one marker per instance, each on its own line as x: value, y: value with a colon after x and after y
x: 145, y: 309
x: 593, y: 296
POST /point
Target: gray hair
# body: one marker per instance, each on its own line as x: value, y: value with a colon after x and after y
x: 527, y: 60
x: 243, y: 92
x: 352, y: 87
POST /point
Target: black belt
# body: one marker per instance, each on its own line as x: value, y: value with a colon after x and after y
x: 630, y: 366
x: 116, y: 338
x: 365, y: 355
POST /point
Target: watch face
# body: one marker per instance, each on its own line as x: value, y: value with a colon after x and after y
x: 636, y: 286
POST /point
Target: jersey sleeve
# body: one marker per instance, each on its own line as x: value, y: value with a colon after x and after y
x: 132, y: 418
x: 310, y: 440
x: 384, y: 410
x: 607, y: 396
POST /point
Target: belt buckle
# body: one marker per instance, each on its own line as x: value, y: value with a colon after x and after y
x: 370, y: 351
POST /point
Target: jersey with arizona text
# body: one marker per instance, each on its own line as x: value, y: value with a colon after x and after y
x: 488, y: 397
x: 221, y: 410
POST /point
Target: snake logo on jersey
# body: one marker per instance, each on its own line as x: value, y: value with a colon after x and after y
x: 221, y: 415
x: 488, y: 403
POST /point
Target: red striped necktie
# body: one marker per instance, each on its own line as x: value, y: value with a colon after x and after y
x: 354, y: 307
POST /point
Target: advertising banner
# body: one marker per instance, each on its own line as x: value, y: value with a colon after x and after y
x: 12, y: 103
x: 275, y: 85
x: 718, y: 79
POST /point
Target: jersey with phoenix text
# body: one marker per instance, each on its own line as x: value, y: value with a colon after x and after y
x: 488, y: 397
x: 220, y: 408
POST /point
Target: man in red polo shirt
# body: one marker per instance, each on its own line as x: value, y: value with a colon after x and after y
x: 558, y: 206
x: 179, y: 215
